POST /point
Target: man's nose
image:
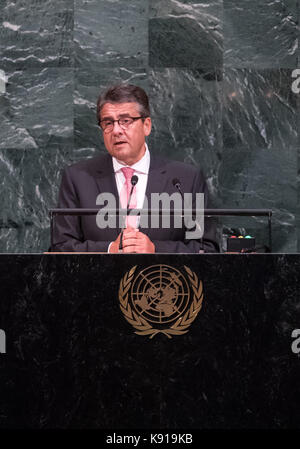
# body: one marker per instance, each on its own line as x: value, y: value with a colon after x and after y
x: 117, y: 128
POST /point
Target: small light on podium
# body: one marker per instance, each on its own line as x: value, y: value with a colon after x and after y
x: 240, y: 244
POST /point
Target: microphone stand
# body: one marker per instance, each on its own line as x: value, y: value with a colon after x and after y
x: 134, y: 181
x: 176, y: 183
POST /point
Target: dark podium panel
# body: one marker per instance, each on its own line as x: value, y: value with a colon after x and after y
x: 73, y: 361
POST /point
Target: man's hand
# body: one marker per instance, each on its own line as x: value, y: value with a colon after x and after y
x: 135, y: 241
x: 114, y: 247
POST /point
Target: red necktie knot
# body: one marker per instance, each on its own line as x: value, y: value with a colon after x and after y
x: 125, y: 193
x: 128, y: 173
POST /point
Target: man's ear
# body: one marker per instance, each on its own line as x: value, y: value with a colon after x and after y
x: 147, y: 126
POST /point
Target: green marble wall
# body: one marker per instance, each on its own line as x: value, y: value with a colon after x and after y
x: 218, y: 74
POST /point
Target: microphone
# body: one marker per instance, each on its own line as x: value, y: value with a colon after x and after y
x: 176, y: 183
x: 134, y: 181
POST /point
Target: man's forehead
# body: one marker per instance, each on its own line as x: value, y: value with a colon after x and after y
x: 118, y: 109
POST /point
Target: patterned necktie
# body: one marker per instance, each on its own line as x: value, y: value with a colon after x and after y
x: 124, y: 196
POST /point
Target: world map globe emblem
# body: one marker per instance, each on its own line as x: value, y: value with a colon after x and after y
x: 160, y: 294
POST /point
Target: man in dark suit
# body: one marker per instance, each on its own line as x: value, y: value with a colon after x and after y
x: 124, y: 116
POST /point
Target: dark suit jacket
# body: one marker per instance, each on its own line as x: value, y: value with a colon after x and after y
x: 82, y: 183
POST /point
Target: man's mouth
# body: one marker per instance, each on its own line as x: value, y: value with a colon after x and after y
x: 121, y: 142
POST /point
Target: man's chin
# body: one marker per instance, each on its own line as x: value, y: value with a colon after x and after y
x: 120, y: 155
x: 120, y: 150
x: 125, y: 154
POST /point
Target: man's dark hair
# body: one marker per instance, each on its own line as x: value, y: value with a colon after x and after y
x: 125, y: 93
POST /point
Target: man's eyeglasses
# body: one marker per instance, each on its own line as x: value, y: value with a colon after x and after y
x: 108, y: 125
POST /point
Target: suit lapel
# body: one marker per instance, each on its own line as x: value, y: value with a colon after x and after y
x: 157, y: 183
x: 157, y: 177
x: 106, y: 183
x: 105, y: 177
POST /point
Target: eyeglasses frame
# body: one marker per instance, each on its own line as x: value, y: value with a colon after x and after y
x: 118, y: 120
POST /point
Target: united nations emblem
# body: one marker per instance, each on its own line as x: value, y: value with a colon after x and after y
x: 160, y: 299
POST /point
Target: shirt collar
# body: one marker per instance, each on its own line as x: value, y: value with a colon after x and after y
x: 142, y: 166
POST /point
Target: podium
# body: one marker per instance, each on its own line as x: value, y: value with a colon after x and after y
x: 73, y: 360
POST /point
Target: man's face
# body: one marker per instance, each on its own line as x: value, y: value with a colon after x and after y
x: 126, y: 145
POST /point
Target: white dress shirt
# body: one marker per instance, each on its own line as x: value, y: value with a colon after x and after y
x: 141, y: 170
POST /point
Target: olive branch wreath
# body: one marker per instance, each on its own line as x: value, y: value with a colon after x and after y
x: 142, y: 326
